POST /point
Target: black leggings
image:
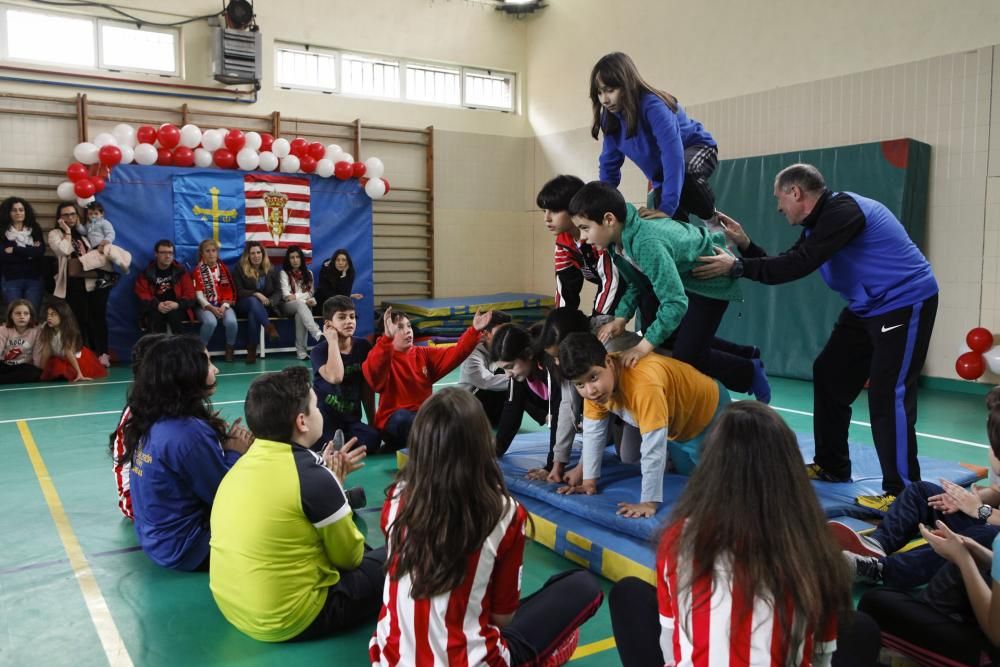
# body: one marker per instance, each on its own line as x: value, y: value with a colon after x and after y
x: 635, y: 621
x: 547, y: 617
x: 520, y: 399
x: 18, y: 373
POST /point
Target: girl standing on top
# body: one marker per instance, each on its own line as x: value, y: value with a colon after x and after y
x: 649, y: 127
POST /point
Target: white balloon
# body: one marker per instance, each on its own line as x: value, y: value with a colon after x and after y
x: 289, y: 164
x: 190, y: 136
x: 145, y: 154
x: 347, y: 157
x: 128, y: 154
x: 374, y: 168
x: 281, y: 148
x: 253, y: 141
x: 247, y: 159
x: 212, y: 140
x: 83, y: 202
x: 992, y: 357
x: 105, y: 139
x: 375, y: 188
x: 324, y: 168
x: 268, y: 161
x: 336, y: 157
x: 86, y: 153
x: 333, y: 150
x: 65, y: 191
x: 124, y: 134
x: 202, y: 158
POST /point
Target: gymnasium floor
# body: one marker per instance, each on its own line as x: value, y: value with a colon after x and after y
x: 75, y: 589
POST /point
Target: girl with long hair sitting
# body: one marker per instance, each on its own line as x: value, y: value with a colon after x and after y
x: 297, y: 300
x: 455, y: 542
x: 63, y: 353
x: 179, y: 450
x: 747, y: 572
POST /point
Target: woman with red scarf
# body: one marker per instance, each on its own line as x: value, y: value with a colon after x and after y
x: 216, y: 294
x: 297, y: 298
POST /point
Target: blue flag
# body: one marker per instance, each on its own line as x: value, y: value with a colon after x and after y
x: 210, y: 205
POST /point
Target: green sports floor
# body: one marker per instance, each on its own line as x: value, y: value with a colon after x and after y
x: 75, y: 589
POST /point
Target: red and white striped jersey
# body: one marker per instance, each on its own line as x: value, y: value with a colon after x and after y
x: 719, y: 632
x: 122, y: 466
x: 576, y: 262
x: 454, y: 628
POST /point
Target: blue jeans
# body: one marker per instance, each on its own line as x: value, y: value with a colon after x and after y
x: 25, y: 288
x: 368, y: 436
x: 916, y: 567
x: 256, y: 314
x: 397, y: 429
x: 209, y: 322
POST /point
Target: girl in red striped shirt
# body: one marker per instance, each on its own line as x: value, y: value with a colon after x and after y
x: 456, y: 544
x: 747, y: 573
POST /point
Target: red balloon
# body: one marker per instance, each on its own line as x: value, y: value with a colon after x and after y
x: 386, y: 185
x: 979, y: 340
x: 84, y: 188
x: 316, y: 150
x: 183, y: 156
x: 98, y: 183
x: 299, y: 147
x: 970, y: 365
x: 224, y: 158
x: 169, y: 135
x: 76, y: 171
x: 109, y: 155
x: 235, y: 140
x: 358, y: 169
x: 342, y: 170
x: 164, y: 157
x: 266, y: 139
x: 145, y: 135
x: 307, y: 163
x: 363, y: 180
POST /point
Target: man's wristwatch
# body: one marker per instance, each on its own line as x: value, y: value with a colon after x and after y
x: 736, y: 270
x: 985, y: 511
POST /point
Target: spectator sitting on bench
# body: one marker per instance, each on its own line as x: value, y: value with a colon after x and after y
x: 256, y: 289
x: 165, y: 291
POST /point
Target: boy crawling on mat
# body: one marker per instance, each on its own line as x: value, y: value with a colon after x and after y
x: 671, y: 403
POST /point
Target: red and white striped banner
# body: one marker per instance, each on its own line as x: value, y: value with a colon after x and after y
x: 277, y: 213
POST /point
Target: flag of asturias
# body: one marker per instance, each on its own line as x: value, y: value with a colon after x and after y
x: 209, y: 205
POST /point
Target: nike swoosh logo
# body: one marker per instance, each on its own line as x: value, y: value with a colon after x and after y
x: 885, y: 328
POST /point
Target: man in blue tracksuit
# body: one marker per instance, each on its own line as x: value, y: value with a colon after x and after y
x: 865, y: 255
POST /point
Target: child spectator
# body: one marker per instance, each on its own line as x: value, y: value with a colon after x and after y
x: 63, y: 353
x: 104, y: 255
x: 22, y: 355
x: 404, y: 375
x: 455, y: 540
x: 337, y: 378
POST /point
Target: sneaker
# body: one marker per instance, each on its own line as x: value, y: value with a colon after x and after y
x: 879, y: 503
x: 853, y: 541
x: 759, y: 386
x: 815, y: 472
x: 561, y: 654
x: 302, y: 354
x: 105, y: 360
x: 866, y: 569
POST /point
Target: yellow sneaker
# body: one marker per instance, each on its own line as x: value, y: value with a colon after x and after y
x: 815, y: 472
x: 878, y: 503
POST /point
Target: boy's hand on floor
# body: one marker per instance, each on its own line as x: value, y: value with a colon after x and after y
x: 637, y: 510
x: 586, y: 487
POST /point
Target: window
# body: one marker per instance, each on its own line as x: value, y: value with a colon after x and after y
x: 49, y: 38
x: 369, y: 76
x: 84, y: 42
x: 124, y: 46
x: 303, y: 68
x: 494, y: 90
x: 429, y: 83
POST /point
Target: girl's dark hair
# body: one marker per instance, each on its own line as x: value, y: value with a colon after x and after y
x: 139, y: 351
x: 170, y: 383
x: 453, y: 494
x: 32, y: 321
x: 30, y: 220
x: 70, y: 337
x: 616, y: 70
x: 95, y: 206
x: 350, y: 262
x: 510, y: 343
x: 559, y: 323
x: 773, y: 535
x: 286, y: 266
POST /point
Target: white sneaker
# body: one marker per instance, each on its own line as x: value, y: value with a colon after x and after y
x: 302, y: 354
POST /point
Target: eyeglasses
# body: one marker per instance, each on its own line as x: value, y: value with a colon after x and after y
x: 69, y: 215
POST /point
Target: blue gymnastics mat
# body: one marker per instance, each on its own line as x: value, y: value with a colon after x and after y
x: 467, y: 305
x: 587, y: 530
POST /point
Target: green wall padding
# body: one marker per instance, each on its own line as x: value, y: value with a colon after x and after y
x: 790, y: 323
